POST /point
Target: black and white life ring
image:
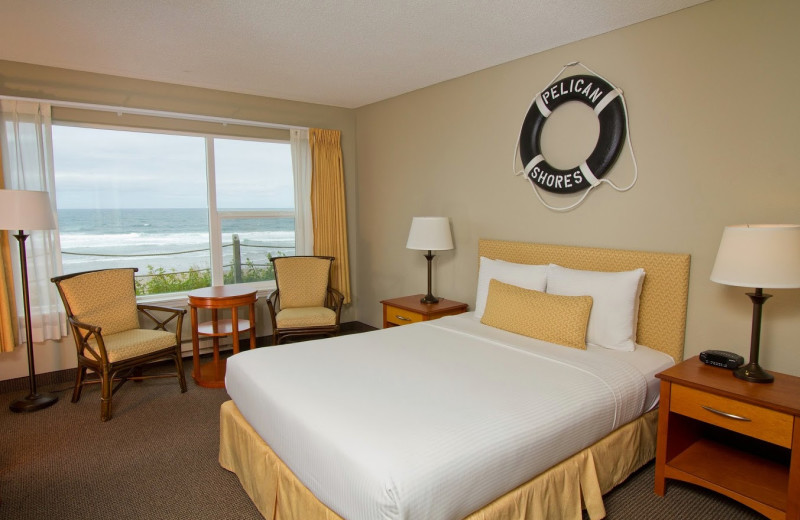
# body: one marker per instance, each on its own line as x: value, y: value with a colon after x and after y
x: 606, y: 102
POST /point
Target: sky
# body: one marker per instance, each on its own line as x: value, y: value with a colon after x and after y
x: 100, y: 169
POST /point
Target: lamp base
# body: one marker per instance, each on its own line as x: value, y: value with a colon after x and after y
x: 33, y: 402
x: 429, y: 298
x: 754, y: 373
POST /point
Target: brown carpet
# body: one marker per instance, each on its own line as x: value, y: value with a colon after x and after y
x: 157, y: 458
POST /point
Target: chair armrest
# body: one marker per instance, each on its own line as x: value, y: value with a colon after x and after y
x: 94, y: 329
x: 82, y: 339
x: 338, y: 298
x: 274, y: 298
x: 162, y: 324
x: 273, y: 304
x: 143, y: 307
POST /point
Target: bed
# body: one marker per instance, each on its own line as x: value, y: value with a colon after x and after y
x: 446, y: 419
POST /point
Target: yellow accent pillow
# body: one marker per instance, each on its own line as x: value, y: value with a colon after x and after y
x: 549, y: 317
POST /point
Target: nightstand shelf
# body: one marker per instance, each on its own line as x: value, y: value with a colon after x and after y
x: 737, y: 438
x: 741, y: 475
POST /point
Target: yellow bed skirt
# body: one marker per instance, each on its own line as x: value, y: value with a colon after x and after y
x: 559, y: 493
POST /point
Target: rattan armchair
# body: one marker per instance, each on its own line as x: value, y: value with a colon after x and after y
x: 303, y: 303
x: 104, y: 319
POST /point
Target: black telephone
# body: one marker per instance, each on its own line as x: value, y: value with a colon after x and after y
x: 722, y: 358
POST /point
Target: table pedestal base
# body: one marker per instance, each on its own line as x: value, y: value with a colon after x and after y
x: 211, y: 374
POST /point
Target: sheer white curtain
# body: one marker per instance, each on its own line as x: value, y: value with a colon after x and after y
x: 301, y: 165
x: 26, y: 138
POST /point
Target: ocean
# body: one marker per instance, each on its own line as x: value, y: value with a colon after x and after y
x: 172, y: 239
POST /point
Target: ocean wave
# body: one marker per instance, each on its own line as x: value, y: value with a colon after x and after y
x: 150, y: 242
x: 172, y: 239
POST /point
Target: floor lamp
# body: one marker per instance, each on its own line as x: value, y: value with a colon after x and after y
x: 27, y: 210
x: 431, y: 234
x: 762, y: 257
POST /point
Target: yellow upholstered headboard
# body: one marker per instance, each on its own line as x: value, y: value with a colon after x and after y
x: 662, y: 305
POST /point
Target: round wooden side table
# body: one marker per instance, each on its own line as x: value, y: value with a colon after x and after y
x: 212, y: 373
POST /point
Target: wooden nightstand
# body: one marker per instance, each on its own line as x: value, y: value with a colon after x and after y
x: 737, y: 438
x: 409, y: 309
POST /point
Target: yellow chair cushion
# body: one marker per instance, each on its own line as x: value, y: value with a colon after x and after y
x: 302, y: 281
x: 549, y: 317
x: 105, y: 299
x: 305, y: 317
x: 134, y: 342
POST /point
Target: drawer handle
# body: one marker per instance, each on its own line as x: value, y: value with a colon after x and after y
x: 726, y: 414
x: 402, y: 317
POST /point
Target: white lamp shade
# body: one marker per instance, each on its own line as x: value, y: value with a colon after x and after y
x: 430, y: 233
x: 759, y: 256
x: 25, y: 210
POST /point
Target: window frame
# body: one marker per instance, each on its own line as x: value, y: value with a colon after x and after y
x: 215, y: 215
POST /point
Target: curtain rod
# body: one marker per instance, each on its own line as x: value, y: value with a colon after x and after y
x: 154, y: 113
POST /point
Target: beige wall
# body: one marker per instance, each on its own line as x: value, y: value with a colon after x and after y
x: 711, y: 92
x: 25, y: 80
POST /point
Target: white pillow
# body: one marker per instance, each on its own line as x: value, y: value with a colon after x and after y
x: 522, y: 275
x: 615, y: 310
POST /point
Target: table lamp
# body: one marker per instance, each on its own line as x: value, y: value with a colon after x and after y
x: 31, y: 210
x: 431, y: 234
x: 758, y: 256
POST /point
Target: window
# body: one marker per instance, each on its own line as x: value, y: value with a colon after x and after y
x: 187, y: 210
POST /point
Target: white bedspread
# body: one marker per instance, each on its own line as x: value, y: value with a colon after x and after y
x: 432, y: 420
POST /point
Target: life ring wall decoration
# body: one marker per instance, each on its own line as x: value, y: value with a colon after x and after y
x: 607, y: 103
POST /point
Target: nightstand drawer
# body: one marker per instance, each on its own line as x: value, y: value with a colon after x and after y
x: 753, y: 421
x: 401, y: 316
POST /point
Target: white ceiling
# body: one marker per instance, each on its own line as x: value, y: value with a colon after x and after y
x: 346, y: 53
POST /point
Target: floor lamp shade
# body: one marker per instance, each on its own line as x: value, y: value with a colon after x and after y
x: 20, y: 211
x: 761, y: 257
x: 430, y: 234
x: 27, y: 210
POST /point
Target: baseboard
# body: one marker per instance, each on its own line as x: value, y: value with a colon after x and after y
x: 67, y: 376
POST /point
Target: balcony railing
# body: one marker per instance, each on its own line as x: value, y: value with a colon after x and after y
x: 237, y: 271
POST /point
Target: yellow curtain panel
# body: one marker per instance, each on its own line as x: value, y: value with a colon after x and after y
x: 8, y: 308
x: 328, y: 207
